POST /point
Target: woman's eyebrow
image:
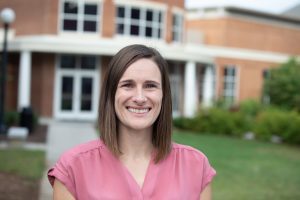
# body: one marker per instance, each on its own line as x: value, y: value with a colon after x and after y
x: 126, y: 81
x: 152, y: 82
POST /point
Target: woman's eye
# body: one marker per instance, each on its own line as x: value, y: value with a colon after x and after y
x: 150, y: 86
x: 127, y: 85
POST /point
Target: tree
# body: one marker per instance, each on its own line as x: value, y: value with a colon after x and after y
x: 282, y: 85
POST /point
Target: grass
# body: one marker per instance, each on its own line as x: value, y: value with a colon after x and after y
x: 25, y: 163
x: 248, y: 169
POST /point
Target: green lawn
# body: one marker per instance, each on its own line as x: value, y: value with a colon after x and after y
x: 25, y: 163
x: 248, y: 170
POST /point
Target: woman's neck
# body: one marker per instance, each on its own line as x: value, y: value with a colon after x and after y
x: 135, y: 144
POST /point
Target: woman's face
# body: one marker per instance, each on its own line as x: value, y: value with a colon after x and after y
x: 139, y: 95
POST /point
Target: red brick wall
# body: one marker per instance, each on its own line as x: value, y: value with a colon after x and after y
x: 233, y: 32
x: 33, y: 16
x: 249, y: 77
x: 11, y: 93
x: 42, y: 83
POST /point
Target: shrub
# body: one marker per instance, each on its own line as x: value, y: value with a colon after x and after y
x: 216, y: 121
x: 11, y: 118
x: 285, y: 124
x: 250, y: 107
x: 183, y: 123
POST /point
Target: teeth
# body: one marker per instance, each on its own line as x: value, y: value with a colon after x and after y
x: 145, y: 110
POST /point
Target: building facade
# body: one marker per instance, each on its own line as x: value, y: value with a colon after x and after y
x: 59, y: 51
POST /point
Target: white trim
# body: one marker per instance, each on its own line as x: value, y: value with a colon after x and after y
x: 142, y: 4
x: 221, y: 13
x: 184, y: 52
x: 24, y: 86
x: 178, y: 10
x: 238, y: 83
x: 80, y: 18
x: 77, y: 75
x: 190, y: 88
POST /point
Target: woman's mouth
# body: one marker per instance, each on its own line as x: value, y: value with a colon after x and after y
x: 138, y: 110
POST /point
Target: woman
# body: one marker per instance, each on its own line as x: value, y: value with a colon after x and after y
x: 135, y: 158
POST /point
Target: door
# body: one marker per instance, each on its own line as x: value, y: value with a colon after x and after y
x: 77, y: 87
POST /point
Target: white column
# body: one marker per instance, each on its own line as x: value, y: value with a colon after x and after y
x: 24, y: 80
x: 208, y: 84
x: 190, y: 89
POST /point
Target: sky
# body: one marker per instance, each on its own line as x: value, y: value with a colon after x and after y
x: 269, y: 6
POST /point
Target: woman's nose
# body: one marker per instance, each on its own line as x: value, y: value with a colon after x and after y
x: 139, y: 96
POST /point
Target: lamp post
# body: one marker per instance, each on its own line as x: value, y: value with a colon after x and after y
x: 7, y: 16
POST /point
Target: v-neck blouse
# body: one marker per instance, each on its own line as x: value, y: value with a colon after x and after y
x: 91, y: 172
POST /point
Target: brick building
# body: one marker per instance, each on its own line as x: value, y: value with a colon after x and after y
x: 59, y: 50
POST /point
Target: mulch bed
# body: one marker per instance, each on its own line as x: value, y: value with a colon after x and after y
x: 14, y: 187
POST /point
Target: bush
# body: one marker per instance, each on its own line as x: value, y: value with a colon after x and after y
x: 183, y: 123
x: 216, y: 121
x: 250, y: 107
x: 285, y: 124
x: 11, y: 118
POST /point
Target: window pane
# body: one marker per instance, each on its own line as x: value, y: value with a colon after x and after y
x: 159, y: 33
x: 88, y: 62
x: 70, y: 25
x: 70, y: 7
x: 120, y: 28
x: 135, y: 13
x: 134, y: 30
x: 121, y: 12
x: 67, y: 93
x: 67, y: 62
x: 159, y: 16
x: 86, y: 94
x: 148, y: 32
x: 90, y: 9
x: 149, y: 15
x: 90, y: 26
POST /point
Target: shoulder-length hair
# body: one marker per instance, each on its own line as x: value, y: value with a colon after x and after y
x: 108, y: 121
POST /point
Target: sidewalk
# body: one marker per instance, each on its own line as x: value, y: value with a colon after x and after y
x: 62, y: 136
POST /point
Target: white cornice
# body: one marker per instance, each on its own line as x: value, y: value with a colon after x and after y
x: 183, y: 52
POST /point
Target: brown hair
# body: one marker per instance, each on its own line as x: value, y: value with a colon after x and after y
x: 108, y: 121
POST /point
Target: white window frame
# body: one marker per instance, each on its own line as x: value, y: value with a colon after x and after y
x: 142, y: 23
x: 175, y: 82
x: 76, y: 73
x: 230, y: 94
x: 177, y: 29
x: 80, y: 17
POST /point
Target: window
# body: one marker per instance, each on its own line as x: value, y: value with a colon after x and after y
x: 202, y: 80
x: 266, y: 76
x: 177, y: 27
x: 79, y: 16
x: 140, y: 22
x: 229, y: 87
x: 176, y: 83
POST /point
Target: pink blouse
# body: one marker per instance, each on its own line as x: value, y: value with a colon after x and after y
x: 90, y: 171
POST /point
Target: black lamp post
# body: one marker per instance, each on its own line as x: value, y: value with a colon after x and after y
x: 7, y: 16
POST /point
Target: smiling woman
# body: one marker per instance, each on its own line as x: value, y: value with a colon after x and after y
x: 135, y: 157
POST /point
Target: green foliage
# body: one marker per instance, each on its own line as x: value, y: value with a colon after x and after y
x: 285, y: 124
x: 283, y: 85
x: 250, y: 115
x: 11, y: 118
x: 215, y: 120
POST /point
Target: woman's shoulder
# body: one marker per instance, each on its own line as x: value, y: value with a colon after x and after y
x: 188, y: 152
x: 82, y: 150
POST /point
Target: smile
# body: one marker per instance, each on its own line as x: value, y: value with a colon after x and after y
x: 139, y: 111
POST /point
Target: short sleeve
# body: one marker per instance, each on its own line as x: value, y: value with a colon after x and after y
x: 208, y: 173
x: 63, y: 172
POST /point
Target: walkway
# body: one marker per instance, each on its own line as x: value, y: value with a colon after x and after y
x: 62, y: 136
